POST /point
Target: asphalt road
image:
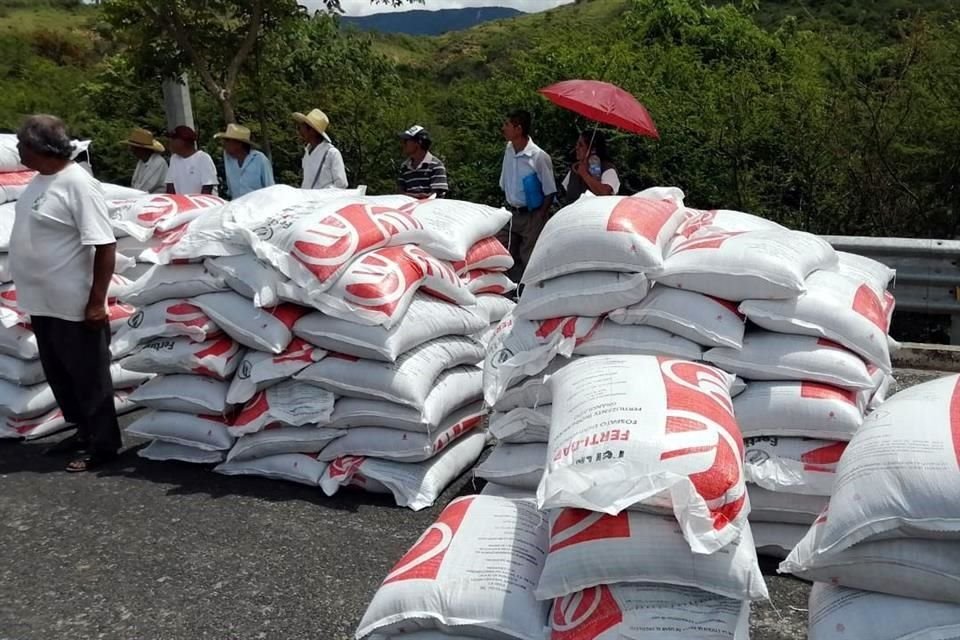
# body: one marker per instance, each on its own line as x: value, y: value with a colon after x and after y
x: 148, y: 551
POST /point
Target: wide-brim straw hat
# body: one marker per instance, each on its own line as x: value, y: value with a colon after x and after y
x: 143, y: 139
x: 316, y: 120
x: 236, y: 132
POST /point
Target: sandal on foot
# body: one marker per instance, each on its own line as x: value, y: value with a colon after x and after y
x: 71, y: 444
x: 90, y: 462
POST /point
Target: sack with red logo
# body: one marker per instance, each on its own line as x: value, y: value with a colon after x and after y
x: 259, y: 370
x: 645, y: 430
x: 53, y: 421
x: 139, y: 217
x: 429, y: 588
x: 5, y: 268
x: 413, y: 485
x: 406, y: 446
x: 13, y: 184
x: 205, y: 432
x: 612, y: 233
x: 277, y: 439
x: 493, y: 308
x: 25, y: 402
x: 648, y: 611
x: 778, y: 356
x: 268, y: 329
x: 487, y: 254
x: 707, y: 321
x: 522, y: 425
x: 792, y: 465
x: 21, y: 372
x: 777, y: 539
x: 798, y: 409
x: 515, y: 465
x: 722, y: 220
x: 290, y: 403
x: 183, y: 393
x: 784, y: 507
x: 201, y: 238
x: 160, y: 451
x: 454, y: 227
x: 407, y: 381
x: 756, y: 265
x: 531, y: 392
x: 588, y: 549
x: 876, y: 274
x: 302, y: 468
x: 588, y: 293
x: 172, y: 282
x: 912, y: 568
x: 488, y: 282
x: 124, y: 379
x: 250, y: 277
x: 510, y: 493
x: 163, y: 319
x: 835, y: 307
x: 18, y: 342
x: 216, y: 358
x: 610, y: 338
x: 426, y: 319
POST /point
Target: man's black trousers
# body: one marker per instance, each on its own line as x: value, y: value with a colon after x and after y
x: 76, y: 362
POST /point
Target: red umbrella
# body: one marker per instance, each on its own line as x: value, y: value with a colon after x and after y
x: 602, y: 102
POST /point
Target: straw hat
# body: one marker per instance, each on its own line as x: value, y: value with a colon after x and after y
x: 316, y: 120
x: 143, y: 139
x: 236, y: 132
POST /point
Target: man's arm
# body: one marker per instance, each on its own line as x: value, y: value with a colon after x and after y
x: 544, y: 167
x: 339, y: 171
x: 438, y: 181
x: 209, y: 176
x: 171, y: 188
x: 104, y: 263
x: 268, y: 180
x: 155, y: 176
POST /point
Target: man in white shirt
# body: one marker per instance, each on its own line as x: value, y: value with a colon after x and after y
x: 322, y: 162
x: 191, y: 171
x: 62, y: 258
x: 150, y: 174
x: 529, y: 188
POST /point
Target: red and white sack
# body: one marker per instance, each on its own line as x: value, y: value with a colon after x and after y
x: 487, y: 282
x: 521, y: 348
x: 209, y: 433
x: 435, y: 586
x: 454, y: 227
x: 201, y: 238
x: 487, y: 254
x: 216, y: 358
x: 303, y: 468
x: 253, y: 208
x: 163, y: 319
x: 161, y: 451
x: 531, y: 392
x: 8, y: 213
x: 699, y: 222
x: 277, y: 439
x: 5, y: 268
x: 798, y: 409
x: 648, y: 611
x: 139, y: 217
x: 611, y: 233
x: 835, y: 307
x: 426, y: 319
x: 783, y: 507
x: 644, y: 430
x: 522, y: 425
x: 407, y: 381
x: 21, y: 372
x: 493, y: 308
x: 610, y: 338
x: 777, y: 539
x: 416, y: 486
x: 837, y: 614
x: 250, y: 277
x: 588, y: 549
x: 290, y: 403
x: 52, y: 421
x: 707, y: 321
x: 756, y: 265
x: 900, y: 475
x: 405, y: 446
x: 25, y: 402
x: 778, y: 356
x: 259, y: 370
x: 876, y: 274
x: 588, y: 293
x: 13, y: 184
x: 18, y: 342
x: 268, y: 330
x: 514, y: 465
x: 183, y: 393
x: 172, y: 282
x: 883, y: 384
x: 792, y: 465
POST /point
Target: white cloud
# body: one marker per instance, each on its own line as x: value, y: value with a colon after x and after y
x: 366, y: 7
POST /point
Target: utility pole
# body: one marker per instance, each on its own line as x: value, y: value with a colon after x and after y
x: 176, y: 102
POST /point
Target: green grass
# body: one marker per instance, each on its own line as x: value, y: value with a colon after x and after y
x: 25, y: 20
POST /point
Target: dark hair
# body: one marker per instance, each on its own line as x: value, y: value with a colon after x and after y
x: 522, y: 119
x: 599, y: 144
x: 46, y: 135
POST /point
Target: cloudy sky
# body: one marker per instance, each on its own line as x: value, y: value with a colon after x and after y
x: 364, y: 7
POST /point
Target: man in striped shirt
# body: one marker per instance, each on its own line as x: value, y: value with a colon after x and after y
x: 422, y: 174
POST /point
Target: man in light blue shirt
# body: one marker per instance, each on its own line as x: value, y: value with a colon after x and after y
x: 246, y: 168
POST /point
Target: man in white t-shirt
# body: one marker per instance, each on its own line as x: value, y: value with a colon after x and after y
x: 191, y: 171
x: 62, y: 258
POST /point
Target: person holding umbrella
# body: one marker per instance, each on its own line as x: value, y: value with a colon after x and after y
x: 593, y: 170
x: 247, y: 169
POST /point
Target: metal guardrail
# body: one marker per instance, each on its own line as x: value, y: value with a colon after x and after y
x: 928, y: 272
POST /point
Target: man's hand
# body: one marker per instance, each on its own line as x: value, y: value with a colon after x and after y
x: 581, y: 169
x: 95, y: 316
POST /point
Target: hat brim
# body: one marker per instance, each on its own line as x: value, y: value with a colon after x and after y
x: 302, y: 119
x: 225, y: 136
x: 157, y: 146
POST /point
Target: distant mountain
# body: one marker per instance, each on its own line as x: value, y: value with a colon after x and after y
x: 429, y: 23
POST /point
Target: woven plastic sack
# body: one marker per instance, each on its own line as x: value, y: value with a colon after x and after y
x: 487, y: 254
x: 172, y: 282
x: 798, y: 409
x: 139, y: 217
x: 522, y: 425
x: 18, y: 342
x: 209, y: 433
x: 21, y: 372
x: 250, y: 277
x: 454, y: 227
x: 488, y: 282
x: 515, y: 465
x: 776, y: 539
x: 610, y: 338
x: 183, y: 393
x: 25, y: 402
x: 259, y: 370
x: 783, y: 507
x: 590, y: 293
x: 217, y: 358
x: 268, y: 330
x: 163, y: 319
x: 166, y: 451
x: 301, y: 468
x: 793, y: 465
x: 493, y: 308
x: 290, y: 403
x: 52, y: 421
x: 278, y: 439
x: 201, y: 238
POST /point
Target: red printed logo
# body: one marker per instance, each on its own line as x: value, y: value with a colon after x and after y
x: 379, y: 280
x: 706, y: 241
x: 698, y: 220
x: 641, y: 216
x: 160, y: 207
x: 585, y: 615
x: 955, y: 419
x: 185, y: 314
x: 488, y: 254
x: 457, y: 430
x: 823, y: 459
x: 820, y: 391
x: 299, y: 350
x: 254, y: 410
x: 424, y: 560
x: 16, y: 178
x: 867, y: 304
x: 344, y: 467
x: 576, y: 526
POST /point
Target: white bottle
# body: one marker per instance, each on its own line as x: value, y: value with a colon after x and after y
x: 596, y: 168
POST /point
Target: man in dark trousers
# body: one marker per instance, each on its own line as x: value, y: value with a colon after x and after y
x: 62, y: 255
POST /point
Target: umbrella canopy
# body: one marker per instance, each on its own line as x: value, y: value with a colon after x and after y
x: 602, y: 102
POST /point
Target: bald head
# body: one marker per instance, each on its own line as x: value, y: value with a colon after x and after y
x: 44, y: 144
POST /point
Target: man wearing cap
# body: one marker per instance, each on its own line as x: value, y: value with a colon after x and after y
x: 247, y: 169
x: 422, y: 174
x: 191, y: 171
x: 150, y: 175
x: 322, y: 162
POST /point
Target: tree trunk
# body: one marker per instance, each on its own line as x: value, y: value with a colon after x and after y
x: 261, y: 105
x: 226, y: 106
